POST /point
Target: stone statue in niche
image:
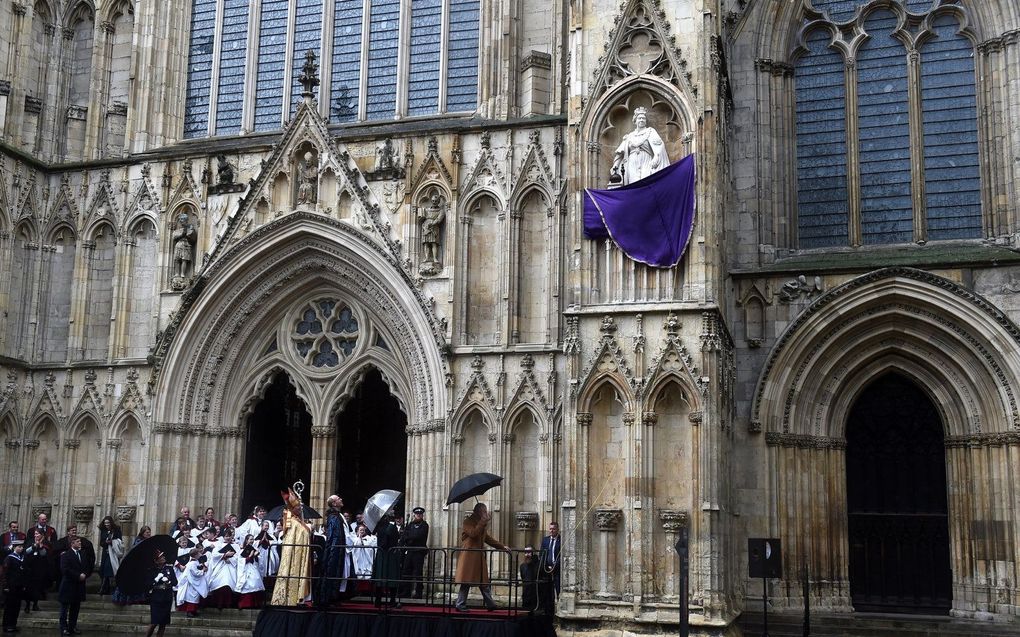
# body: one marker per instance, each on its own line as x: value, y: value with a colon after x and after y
x: 184, y: 238
x: 431, y: 217
x: 384, y: 156
x: 224, y: 171
x: 308, y: 178
x: 641, y: 153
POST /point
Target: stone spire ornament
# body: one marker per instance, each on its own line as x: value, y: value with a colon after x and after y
x: 309, y: 76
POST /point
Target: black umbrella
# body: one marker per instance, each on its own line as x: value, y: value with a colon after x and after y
x: 137, y: 568
x: 472, y: 485
x: 307, y: 512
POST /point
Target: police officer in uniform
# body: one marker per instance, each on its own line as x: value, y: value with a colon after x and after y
x: 415, y: 539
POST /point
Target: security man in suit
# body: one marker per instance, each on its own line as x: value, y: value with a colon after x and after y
x: 549, y: 573
x: 74, y: 571
x: 416, y: 539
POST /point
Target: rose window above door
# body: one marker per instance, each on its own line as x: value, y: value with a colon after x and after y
x: 325, y: 333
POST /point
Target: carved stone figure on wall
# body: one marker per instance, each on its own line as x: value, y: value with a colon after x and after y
x: 224, y: 171
x: 432, y: 217
x: 641, y: 153
x: 384, y: 156
x: 308, y: 177
x: 184, y: 239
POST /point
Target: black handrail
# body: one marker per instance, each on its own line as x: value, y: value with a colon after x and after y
x: 438, y: 581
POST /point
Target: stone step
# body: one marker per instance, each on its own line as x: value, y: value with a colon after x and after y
x: 99, y: 617
x: 783, y: 624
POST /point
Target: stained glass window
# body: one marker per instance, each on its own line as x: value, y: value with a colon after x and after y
x: 272, y: 60
x: 346, y: 60
x: 426, y: 47
x: 325, y: 333
x: 233, y: 47
x: 200, y: 57
x: 307, y: 36
x: 383, y: 44
x: 462, y: 56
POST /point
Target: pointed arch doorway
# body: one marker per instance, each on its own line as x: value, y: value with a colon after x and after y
x: 371, y: 449
x: 278, y: 449
x: 896, y: 501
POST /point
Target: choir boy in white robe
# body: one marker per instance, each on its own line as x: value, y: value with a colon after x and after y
x: 252, y: 525
x: 192, y: 586
x: 361, y: 546
x: 223, y: 572
x: 265, y: 542
x: 250, y: 587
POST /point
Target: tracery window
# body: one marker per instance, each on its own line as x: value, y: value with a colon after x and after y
x: 231, y: 89
x: 325, y: 333
x: 886, y: 124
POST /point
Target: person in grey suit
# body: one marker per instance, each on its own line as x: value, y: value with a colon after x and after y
x: 74, y: 570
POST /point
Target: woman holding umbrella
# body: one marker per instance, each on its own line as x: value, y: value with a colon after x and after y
x: 161, y: 595
x: 471, y: 566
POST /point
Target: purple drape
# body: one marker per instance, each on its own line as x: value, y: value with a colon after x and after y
x: 651, y: 219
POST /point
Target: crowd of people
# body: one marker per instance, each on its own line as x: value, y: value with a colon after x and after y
x: 227, y: 564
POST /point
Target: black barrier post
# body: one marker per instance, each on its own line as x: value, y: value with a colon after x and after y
x: 807, y: 603
x: 682, y: 550
x: 764, y: 560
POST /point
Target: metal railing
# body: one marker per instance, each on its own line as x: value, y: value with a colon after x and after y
x: 437, y: 581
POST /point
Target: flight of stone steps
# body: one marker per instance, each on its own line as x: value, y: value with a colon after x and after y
x: 783, y: 624
x: 100, y: 617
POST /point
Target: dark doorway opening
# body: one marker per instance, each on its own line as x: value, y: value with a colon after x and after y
x: 279, y: 447
x: 371, y: 451
x: 896, y: 501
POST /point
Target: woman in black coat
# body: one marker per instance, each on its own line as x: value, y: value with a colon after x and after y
x: 108, y: 534
x: 37, y: 570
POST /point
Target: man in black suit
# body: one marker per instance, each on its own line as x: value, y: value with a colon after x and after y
x: 74, y: 571
x: 88, y: 552
x: 549, y: 573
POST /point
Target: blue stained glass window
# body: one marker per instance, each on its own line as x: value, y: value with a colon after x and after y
x: 200, y: 59
x: 462, y: 57
x: 234, y: 45
x: 345, y: 82
x: 919, y: 6
x: 952, y: 182
x: 426, y: 42
x: 823, y: 202
x: 272, y: 58
x: 307, y: 35
x: 838, y: 10
x: 884, y: 132
x: 383, y: 43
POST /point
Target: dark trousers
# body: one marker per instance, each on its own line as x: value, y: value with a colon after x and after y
x: 69, y: 615
x: 12, y: 607
x: 414, y: 566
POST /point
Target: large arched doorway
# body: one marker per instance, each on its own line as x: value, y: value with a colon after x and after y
x: 371, y: 443
x: 896, y: 501
x: 279, y: 446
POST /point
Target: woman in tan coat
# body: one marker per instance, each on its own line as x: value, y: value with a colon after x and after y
x: 471, y: 564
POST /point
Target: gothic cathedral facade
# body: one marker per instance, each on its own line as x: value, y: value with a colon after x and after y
x: 243, y: 243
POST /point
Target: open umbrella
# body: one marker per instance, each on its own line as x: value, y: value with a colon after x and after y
x: 136, y: 569
x: 378, y: 505
x: 276, y: 513
x: 472, y: 485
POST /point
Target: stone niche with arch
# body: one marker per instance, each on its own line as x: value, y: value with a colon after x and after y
x: 663, y: 115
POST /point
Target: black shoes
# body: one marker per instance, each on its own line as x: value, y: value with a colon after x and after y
x: 462, y: 608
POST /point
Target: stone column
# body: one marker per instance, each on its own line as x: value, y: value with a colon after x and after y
x: 607, y: 521
x: 323, y: 464
x: 672, y: 522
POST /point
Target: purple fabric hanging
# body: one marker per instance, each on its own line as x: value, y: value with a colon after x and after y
x: 651, y: 219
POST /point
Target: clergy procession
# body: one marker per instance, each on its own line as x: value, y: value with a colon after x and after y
x: 281, y: 557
